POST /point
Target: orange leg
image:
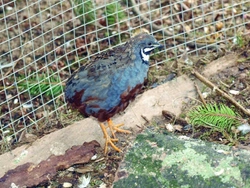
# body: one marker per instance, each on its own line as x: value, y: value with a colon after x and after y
x: 113, y: 128
x: 108, y: 139
x: 116, y: 128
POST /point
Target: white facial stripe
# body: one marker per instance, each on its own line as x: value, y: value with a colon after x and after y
x: 148, y: 49
x: 145, y: 57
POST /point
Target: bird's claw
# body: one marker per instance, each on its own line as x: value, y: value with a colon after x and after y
x: 116, y: 128
x: 110, y: 141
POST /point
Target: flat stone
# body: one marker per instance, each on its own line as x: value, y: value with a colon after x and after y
x: 166, y: 160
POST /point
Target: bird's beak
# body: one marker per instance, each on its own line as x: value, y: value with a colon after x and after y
x: 152, y: 47
x: 158, y: 45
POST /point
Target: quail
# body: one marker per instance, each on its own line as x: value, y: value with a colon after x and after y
x: 107, y: 84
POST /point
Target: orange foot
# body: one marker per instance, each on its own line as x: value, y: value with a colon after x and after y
x: 113, y: 128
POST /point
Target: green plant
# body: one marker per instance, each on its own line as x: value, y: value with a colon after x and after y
x: 239, y: 40
x: 219, y: 118
x: 114, y: 13
x: 47, y: 84
x: 84, y: 10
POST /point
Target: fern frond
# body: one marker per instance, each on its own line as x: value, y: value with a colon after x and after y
x: 220, y: 117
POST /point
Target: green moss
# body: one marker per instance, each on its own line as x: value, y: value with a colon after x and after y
x: 174, y: 177
x: 158, y: 160
x: 151, y: 139
x: 138, y: 181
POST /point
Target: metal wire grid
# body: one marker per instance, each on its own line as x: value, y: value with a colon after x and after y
x: 47, y: 38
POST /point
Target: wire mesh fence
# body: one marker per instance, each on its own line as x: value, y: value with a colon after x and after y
x: 43, y: 42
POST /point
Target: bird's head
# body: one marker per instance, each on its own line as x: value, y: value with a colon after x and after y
x: 144, y: 44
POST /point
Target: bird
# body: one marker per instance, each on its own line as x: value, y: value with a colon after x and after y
x: 107, y: 84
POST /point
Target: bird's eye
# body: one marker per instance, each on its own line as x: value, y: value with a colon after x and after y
x: 149, y: 43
